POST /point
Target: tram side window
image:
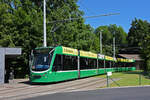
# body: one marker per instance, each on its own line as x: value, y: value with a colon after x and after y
x: 69, y: 62
x: 113, y: 64
x: 87, y: 63
x: 58, y: 65
x: 92, y: 64
x: 116, y: 64
x: 131, y: 64
x: 65, y: 62
x: 123, y: 64
x: 101, y: 63
x: 108, y: 64
x: 127, y: 65
x: 119, y: 64
x: 83, y: 63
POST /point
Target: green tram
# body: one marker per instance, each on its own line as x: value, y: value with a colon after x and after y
x: 54, y: 64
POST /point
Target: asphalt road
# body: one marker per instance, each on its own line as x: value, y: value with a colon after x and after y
x: 132, y: 93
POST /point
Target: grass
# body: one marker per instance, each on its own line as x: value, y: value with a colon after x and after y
x: 128, y: 78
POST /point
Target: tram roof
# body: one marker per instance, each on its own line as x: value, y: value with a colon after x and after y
x: 43, y: 47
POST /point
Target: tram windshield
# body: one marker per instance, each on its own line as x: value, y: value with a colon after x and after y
x: 41, y: 59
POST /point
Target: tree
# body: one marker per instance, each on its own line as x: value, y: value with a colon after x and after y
x: 106, y: 40
x: 139, y: 29
x: 119, y: 33
x: 138, y: 36
x: 21, y: 24
x: 6, y: 26
x: 107, y: 33
x: 145, y: 52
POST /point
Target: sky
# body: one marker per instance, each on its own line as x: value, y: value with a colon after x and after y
x: 128, y: 9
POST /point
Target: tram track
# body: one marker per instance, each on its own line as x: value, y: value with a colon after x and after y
x: 54, y: 88
x: 39, y: 86
x: 9, y: 90
x: 87, y: 86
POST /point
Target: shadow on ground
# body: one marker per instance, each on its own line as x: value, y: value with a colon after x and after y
x: 51, y: 83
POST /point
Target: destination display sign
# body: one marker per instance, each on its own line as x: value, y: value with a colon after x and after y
x: 100, y: 56
x: 38, y: 51
x: 88, y: 54
x: 71, y: 51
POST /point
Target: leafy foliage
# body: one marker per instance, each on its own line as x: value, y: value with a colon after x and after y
x: 21, y: 25
x: 145, y: 51
x: 139, y: 29
x: 108, y: 32
x: 139, y: 36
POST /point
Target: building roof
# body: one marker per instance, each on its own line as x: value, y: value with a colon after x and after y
x: 11, y: 52
x: 130, y: 50
x: 131, y: 56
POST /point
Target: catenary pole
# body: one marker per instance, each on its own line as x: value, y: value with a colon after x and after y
x: 100, y: 42
x: 114, y: 53
x: 44, y: 24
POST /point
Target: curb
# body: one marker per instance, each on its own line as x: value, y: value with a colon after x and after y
x: 126, y: 87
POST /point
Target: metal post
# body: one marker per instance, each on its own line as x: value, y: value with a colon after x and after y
x: 100, y: 38
x: 61, y: 62
x: 140, y: 78
x: 114, y: 45
x: 78, y: 64
x: 104, y: 66
x: 107, y: 81
x: 97, y: 65
x: 44, y: 24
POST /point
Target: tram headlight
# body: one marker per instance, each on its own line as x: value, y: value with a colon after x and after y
x: 44, y: 75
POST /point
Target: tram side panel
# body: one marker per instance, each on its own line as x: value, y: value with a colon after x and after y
x: 88, y: 67
x: 65, y: 67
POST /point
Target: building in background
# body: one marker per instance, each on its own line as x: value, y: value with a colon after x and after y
x: 133, y: 53
x: 5, y: 54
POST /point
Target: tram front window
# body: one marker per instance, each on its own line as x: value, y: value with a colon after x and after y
x: 41, y: 61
